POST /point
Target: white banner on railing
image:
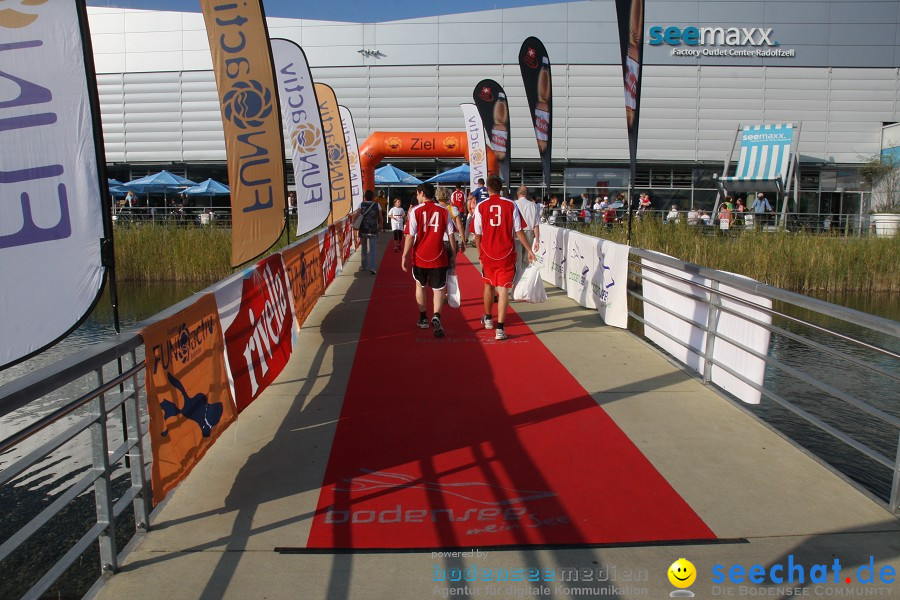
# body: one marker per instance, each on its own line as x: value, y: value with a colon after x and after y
x: 694, y: 314
x: 609, y: 282
x: 580, y: 260
x: 744, y: 332
x: 552, y: 254
x: 593, y: 271
x: 679, y: 328
x: 356, y: 185
x: 300, y: 112
x: 51, y: 211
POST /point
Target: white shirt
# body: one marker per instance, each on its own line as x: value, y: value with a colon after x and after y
x: 528, y: 210
x: 396, y: 215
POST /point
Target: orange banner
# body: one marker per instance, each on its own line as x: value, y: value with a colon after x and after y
x: 338, y: 163
x: 254, y: 146
x: 188, y: 397
x: 304, y: 271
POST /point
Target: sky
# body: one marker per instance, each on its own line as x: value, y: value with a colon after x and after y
x: 364, y: 11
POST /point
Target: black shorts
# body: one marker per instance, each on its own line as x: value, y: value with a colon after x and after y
x: 435, y: 278
x: 398, y: 235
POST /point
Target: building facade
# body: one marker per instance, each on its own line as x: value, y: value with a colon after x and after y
x: 833, y: 67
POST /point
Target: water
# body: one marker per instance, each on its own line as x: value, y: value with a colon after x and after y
x: 877, y: 390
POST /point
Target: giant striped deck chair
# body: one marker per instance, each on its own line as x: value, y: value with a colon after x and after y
x: 767, y: 159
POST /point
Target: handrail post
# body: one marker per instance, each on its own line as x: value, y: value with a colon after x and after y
x: 712, y: 320
x: 135, y: 436
x: 102, y: 486
x: 894, y: 505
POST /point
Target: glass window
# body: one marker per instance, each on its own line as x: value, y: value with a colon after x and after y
x: 809, y: 202
x: 596, y: 182
x: 705, y: 199
x: 703, y: 178
x: 665, y: 198
x: 809, y: 179
x: 681, y: 178
x: 661, y: 177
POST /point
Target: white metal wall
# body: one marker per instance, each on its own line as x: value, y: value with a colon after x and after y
x: 159, y: 102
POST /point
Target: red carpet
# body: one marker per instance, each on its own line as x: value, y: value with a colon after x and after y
x: 468, y: 442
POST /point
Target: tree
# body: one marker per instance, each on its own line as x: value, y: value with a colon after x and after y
x: 882, y: 174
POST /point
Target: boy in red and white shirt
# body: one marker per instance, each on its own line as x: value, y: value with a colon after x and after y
x: 497, y: 224
x: 426, y: 226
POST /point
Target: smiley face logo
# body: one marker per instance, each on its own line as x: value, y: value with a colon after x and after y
x: 682, y: 573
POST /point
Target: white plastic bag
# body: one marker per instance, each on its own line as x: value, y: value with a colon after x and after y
x: 453, y: 296
x: 530, y: 286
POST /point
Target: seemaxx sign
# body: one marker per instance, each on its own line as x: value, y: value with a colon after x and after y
x: 718, y: 41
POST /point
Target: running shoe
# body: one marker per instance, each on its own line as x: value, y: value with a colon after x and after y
x: 500, y: 334
x: 486, y: 321
x: 438, y: 328
x: 422, y: 323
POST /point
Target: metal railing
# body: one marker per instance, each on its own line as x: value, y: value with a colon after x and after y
x: 811, y: 223
x: 213, y: 216
x: 825, y: 333
x: 93, y: 413
x: 107, y: 382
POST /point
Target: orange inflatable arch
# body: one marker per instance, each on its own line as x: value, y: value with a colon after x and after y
x: 414, y: 144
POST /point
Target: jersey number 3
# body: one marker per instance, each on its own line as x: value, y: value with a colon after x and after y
x: 495, y: 216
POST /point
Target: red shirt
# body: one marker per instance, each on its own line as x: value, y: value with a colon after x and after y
x: 497, y: 220
x: 458, y: 199
x: 428, y: 222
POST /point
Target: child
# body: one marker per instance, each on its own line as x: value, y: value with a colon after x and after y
x: 397, y: 215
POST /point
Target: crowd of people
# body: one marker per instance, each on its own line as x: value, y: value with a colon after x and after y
x: 435, y: 224
x: 731, y: 213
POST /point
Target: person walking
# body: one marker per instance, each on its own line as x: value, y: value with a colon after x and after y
x: 397, y: 218
x: 382, y: 202
x: 531, y: 227
x: 428, y: 223
x: 442, y: 196
x: 476, y: 197
x: 372, y: 223
x: 497, y: 223
x: 458, y: 199
x: 759, y: 208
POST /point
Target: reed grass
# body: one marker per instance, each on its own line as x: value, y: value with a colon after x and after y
x: 159, y: 252
x: 795, y: 261
x: 800, y: 262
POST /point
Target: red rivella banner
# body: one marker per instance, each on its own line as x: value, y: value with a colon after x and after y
x: 346, y: 231
x: 328, y: 254
x: 259, y: 340
x: 304, y: 270
x: 188, y: 397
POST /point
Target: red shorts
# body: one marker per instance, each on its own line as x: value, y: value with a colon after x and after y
x: 499, y: 273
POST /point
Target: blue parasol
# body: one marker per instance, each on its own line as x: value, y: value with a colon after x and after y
x: 160, y: 182
x: 391, y: 175
x: 458, y: 174
x: 210, y: 187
